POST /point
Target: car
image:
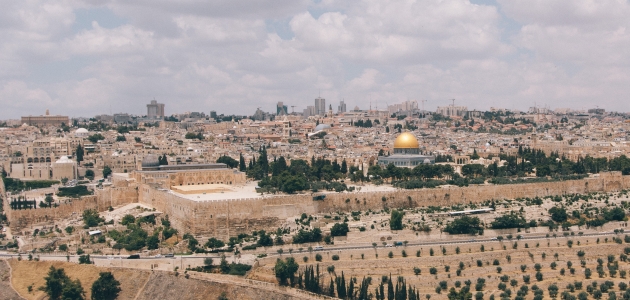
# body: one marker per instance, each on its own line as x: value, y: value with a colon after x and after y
x: 471, y: 240
x: 389, y: 245
x: 169, y: 255
x: 318, y: 248
x: 493, y: 239
x: 158, y: 256
x: 134, y: 256
x: 518, y: 237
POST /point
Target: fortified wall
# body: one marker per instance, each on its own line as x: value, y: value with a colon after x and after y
x: 224, y: 218
x: 5, y: 202
x: 24, y: 218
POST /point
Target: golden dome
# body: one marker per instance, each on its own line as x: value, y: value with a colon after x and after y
x: 406, y: 140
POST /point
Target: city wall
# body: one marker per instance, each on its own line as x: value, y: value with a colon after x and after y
x: 230, y: 217
x: 24, y: 218
x: 5, y: 202
x: 226, y: 218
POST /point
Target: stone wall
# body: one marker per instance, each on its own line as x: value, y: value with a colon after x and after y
x: 21, y: 219
x: 231, y: 217
x: 226, y: 218
x: 5, y: 201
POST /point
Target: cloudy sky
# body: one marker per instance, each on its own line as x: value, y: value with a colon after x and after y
x: 83, y: 58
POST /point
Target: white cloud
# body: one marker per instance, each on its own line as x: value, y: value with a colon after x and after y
x: 219, y: 55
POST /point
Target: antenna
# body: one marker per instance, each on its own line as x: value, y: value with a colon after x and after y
x: 453, y: 102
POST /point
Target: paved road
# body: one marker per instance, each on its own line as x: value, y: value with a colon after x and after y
x: 338, y: 248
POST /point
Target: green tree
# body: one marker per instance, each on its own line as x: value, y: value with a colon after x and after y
x: 95, y: 138
x: 339, y: 229
x: 59, y: 286
x: 79, y: 154
x: 558, y: 214
x: 106, y: 287
x: 230, y: 162
x: 73, y: 290
x: 395, y: 221
x: 85, y: 259
x: 89, y: 174
x: 285, y: 270
x: 214, y: 243
x: 153, y: 242
x: 106, y: 171
x: 241, y: 163
x: 91, y: 218
x: 464, y: 225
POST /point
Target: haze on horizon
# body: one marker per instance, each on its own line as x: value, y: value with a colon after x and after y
x: 83, y: 58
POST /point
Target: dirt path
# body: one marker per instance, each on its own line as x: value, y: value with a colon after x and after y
x: 6, y: 289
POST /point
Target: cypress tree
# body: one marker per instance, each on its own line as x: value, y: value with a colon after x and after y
x: 241, y: 163
x: 390, y: 289
x: 331, y: 288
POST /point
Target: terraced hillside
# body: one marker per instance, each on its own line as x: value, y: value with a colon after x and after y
x: 509, y: 268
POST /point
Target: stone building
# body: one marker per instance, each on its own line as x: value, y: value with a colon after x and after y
x: 46, y: 120
x: 406, y: 153
x: 206, y: 177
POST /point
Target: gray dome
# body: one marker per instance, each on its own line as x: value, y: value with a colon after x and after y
x: 321, y: 127
x: 150, y: 161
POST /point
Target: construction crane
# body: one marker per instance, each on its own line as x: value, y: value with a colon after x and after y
x: 453, y: 102
x: 292, y: 109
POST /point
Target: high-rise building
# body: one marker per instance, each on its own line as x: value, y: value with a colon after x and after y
x: 452, y: 111
x: 405, y: 107
x: 342, y: 107
x: 122, y: 118
x: 320, y: 106
x: 155, y: 110
x: 309, y: 111
x: 281, y: 109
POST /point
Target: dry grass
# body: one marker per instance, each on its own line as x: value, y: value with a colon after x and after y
x: 352, y: 264
x: 32, y: 273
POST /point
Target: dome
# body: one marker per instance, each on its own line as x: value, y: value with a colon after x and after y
x: 64, y: 160
x: 150, y: 161
x: 321, y: 127
x: 406, y: 140
x: 82, y: 130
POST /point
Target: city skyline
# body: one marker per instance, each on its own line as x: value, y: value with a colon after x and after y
x: 80, y: 59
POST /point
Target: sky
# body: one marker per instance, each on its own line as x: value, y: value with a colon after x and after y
x: 84, y: 58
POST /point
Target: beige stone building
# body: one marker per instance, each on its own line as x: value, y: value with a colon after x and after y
x: 46, y: 120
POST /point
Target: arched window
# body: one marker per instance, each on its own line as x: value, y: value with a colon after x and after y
x: 36, y: 160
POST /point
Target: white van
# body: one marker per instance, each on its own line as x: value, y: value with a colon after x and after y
x: 318, y: 248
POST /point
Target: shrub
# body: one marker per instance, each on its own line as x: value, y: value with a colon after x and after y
x: 433, y: 270
x: 318, y: 257
x: 335, y: 257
